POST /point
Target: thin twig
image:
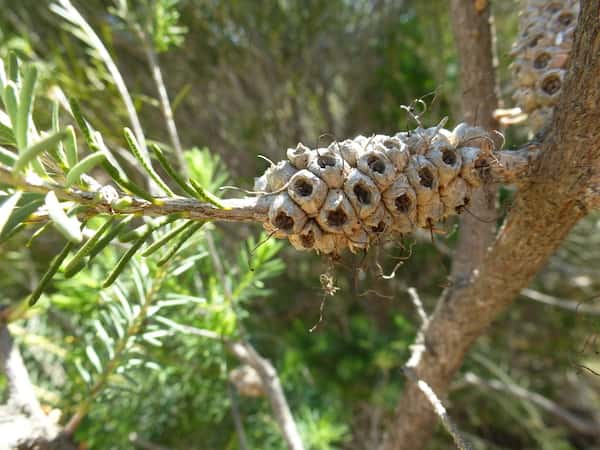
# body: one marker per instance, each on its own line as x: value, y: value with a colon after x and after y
x: 578, y: 424
x: 163, y: 97
x: 440, y: 410
x: 237, y: 418
x: 570, y: 305
x: 244, y: 351
x: 414, y: 296
x: 94, y: 41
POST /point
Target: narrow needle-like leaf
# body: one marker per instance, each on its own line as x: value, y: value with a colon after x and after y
x: 145, y: 161
x: 32, y: 152
x: 205, y: 196
x: 182, y: 239
x: 68, y: 226
x: 54, y: 266
x: 122, y: 263
x: 77, y: 262
x: 166, y: 238
x: 84, y: 166
x: 171, y: 171
x: 25, y: 103
x: 7, y: 208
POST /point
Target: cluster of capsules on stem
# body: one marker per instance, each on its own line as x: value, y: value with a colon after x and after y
x: 541, y: 53
x: 357, y: 192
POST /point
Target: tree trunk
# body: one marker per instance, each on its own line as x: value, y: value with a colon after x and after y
x: 546, y: 208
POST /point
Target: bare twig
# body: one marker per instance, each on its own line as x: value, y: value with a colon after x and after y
x: 417, y: 351
x: 570, y: 305
x: 414, y: 296
x: 163, y: 97
x: 583, y: 426
x: 248, y: 355
x: 459, y: 440
x: 237, y: 418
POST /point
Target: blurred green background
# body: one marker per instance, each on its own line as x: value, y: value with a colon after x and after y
x: 256, y: 77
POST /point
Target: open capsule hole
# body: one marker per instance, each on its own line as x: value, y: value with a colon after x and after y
x: 308, y: 240
x: 551, y: 84
x: 337, y: 218
x: 403, y: 203
x: 376, y: 164
x: 362, y: 194
x: 283, y: 221
x: 303, y: 188
x: 566, y: 19
x: 326, y: 161
x: 449, y: 157
x: 426, y: 177
x: 542, y: 60
x: 380, y: 228
x: 534, y: 42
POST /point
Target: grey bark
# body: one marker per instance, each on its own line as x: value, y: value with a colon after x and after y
x: 546, y: 208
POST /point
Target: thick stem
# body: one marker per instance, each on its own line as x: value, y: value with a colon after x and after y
x: 473, y: 34
x: 546, y: 208
x: 508, y: 166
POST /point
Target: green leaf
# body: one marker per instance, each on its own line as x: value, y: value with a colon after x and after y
x: 171, y: 171
x: 3, y: 79
x: 122, y: 263
x: 205, y: 196
x: 144, y: 161
x: 121, y: 180
x: 104, y: 338
x: 108, y: 238
x: 84, y: 166
x: 81, y: 122
x: 187, y: 235
x: 13, y: 67
x: 57, y: 152
x: 11, y: 104
x: 77, y: 262
x: 159, y: 243
x: 85, y: 374
x: 7, y: 208
x: 68, y: 226
x: 71, y: 147
x: 94, y: 358
x: 32, y: 152
x: 7, y: 136
x: 19, y: 216
x: 151, y: 225
x: 7, y: 157
x: 54, y: 266
x: 25, y: 103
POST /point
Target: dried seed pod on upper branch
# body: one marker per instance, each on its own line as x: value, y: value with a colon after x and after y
x: 541, y: 53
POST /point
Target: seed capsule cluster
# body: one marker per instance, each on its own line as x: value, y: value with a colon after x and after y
x: 356, y: 192
x: 541, y: 52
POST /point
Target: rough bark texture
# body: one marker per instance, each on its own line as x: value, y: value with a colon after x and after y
x: 473, y: 37
x: 546, y: 208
